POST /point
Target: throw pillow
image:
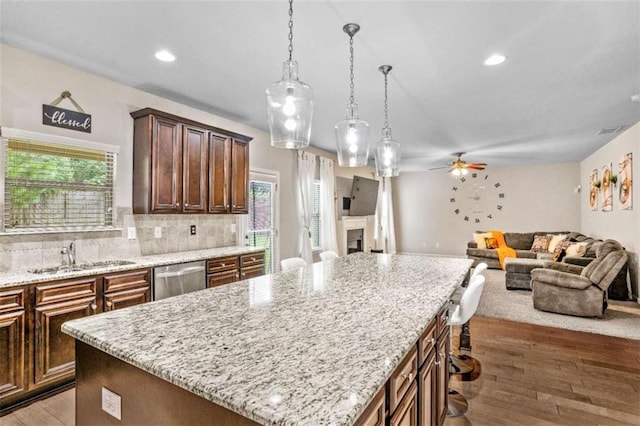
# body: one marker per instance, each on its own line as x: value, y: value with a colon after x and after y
x: 491, y: 243
x: 577, y: 249
x: 555, y: 239
x: 479, y: 237
x: 560, y: 250
x: 540, y: 243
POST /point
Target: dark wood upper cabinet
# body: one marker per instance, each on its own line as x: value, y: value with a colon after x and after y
x: 219, y: 173
x: 239, y: 177
x: 194, y: 169
x: 181, y: 166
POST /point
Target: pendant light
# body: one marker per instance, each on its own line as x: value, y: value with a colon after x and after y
x: 352, y: 133
x: 290, y: 104
x: 387, y: 153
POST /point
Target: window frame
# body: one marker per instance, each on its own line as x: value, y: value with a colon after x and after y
x: 7, y: 133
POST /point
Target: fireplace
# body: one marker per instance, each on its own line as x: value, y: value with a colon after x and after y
x: 355, y: 239
x: 355, y: 234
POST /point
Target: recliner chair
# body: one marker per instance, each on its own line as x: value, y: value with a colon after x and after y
x: 575, y: 290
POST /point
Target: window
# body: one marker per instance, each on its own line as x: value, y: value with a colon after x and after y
x: 315, y: 217
x: 52, y: 186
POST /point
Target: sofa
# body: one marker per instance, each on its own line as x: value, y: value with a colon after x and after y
x: 575, y: 290
x: 521, y: 242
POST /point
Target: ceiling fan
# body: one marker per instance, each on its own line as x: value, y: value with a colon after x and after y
x: 460, y: 167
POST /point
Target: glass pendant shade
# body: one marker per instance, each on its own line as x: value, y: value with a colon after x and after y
x: 352, y: 138
x: 290, y: 109
x: 387, y: 155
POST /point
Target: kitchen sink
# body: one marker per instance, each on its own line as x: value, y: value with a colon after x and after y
x: 81, y: 266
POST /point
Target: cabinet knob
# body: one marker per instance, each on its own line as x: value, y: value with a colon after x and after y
x: 223, y: 265
x: 408, y: 376
x: 237, y: 275
x: 253, y: 259
x: 244, y: 275
x: 432, y: 341
x: 94, y: 306
x: 109, y: 303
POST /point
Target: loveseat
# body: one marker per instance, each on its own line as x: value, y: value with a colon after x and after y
x: 522, y: 242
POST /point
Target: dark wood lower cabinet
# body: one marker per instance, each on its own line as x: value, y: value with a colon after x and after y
x: 12, y: 353
x: 427, y: 391
x: 442, y: 389
x: 226, y: 270
x: 36, y: 357
x: 407, y: 412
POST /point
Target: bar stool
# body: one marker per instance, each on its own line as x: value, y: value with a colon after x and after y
x: 328, y: 255
x: 464, y: 311
x: 292, y: 263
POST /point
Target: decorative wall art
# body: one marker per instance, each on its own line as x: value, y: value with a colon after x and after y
x: 625, y: 181
x: 594, y: 187
x: 477, y: 198
x: 607, y: 190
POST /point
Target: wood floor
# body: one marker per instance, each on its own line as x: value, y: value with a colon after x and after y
x: 525, y: 375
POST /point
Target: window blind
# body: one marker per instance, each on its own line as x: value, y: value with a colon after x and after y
x: 55, y: 186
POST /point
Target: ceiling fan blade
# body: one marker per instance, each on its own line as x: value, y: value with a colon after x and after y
x: 473, y: 167
x: 439, y: 168
x: 477, y: 164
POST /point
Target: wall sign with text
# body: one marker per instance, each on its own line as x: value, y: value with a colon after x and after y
x: 67, y: 119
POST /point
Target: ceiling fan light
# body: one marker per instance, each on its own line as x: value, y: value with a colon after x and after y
x: 455, y: 172
x: 464, y: 171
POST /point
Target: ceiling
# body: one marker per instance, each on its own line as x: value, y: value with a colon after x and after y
x: 572, y: 67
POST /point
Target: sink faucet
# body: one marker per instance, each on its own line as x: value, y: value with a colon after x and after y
x: 72, y: 253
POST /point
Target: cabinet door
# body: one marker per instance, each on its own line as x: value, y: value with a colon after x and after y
x: 427, y: 385
x: 55, y: 351
x: 12, y: 353
x: 442, y: 386
x: 240, y: 177
x: 166, y: 166
x: 219, y: 173
x: 375, y: 413
x: 407, y: 412
x: 124, y: 299
x: 194, y: 169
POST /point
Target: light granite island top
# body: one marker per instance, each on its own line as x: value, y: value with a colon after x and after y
x: 309, y: 346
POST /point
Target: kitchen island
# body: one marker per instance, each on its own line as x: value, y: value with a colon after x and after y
x: 309, y: 346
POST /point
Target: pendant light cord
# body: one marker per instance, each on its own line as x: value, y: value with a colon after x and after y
x: 386, y: 105
x: 351, y: 96
x: 290, y: 29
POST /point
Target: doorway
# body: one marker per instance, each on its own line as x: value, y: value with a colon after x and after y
x: 262, y: 227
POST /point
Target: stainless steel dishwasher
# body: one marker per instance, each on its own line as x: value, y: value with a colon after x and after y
x: 173, y: 280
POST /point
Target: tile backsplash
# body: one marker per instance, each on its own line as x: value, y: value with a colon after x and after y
x: 30, y: 251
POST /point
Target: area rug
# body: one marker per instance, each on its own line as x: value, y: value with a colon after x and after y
x: 622, y: 318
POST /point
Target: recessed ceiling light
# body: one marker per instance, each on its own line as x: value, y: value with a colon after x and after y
x: 496, y: 59
x: 165, y: 56
x: 635, y: 98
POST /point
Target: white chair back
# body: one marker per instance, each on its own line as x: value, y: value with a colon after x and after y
x: 328, y: 255
x: 469, y: 301
x: 479, y: 269
x: 292, y: 263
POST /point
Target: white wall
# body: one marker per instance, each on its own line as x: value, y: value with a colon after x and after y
x: 536, y: 198
x: 621, y: 225
x: 28, y: 81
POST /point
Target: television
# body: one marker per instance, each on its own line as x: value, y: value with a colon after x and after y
x: 364, y: 196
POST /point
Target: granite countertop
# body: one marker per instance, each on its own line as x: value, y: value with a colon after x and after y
x: 308, y: 346
x: 17, y: 278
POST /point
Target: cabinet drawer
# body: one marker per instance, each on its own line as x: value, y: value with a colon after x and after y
x: 402, y: 378
x: 427, y: 342
x: 222, y: 264
x: 374, y: 414
x: 443, y: 318
x: 126, y: 280
x: 252, y: 259
x: 126, y: 298
x: 11, y: 300
x: 221, y: 278
x: 252, y: 272
x: 65, y: 290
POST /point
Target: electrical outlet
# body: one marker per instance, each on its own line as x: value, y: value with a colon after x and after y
x: 233, y: 228
x: 157, y: 232
x: 131, y: 232
x: 193, y: 230
x: 111, y: 403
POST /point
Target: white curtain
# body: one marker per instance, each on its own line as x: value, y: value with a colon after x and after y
x: 385, y: 230
x: 305, y: 171
x: 328, y: 238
